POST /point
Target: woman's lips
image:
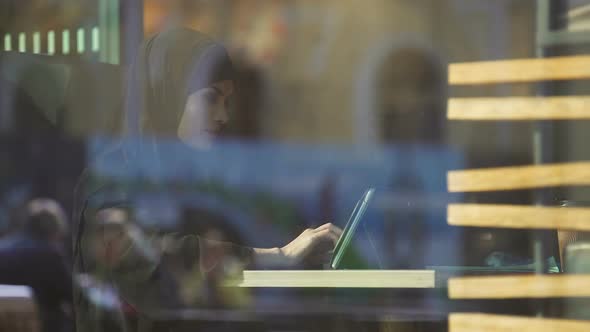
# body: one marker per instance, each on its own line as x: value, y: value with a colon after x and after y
x: 212, y: 132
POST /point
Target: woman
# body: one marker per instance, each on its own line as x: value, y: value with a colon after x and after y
x: 180, y: 86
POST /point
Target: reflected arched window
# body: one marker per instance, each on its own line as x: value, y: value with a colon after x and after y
x: 401, y: 95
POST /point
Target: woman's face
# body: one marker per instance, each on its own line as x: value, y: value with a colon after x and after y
x: 205, y: 114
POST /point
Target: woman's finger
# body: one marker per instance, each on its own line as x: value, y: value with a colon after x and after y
x: 324, y: 226
x: 337, y: 230
x: 334, y: 230
x: 326, y: 234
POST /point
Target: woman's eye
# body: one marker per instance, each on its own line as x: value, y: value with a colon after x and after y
x: 211, y: 98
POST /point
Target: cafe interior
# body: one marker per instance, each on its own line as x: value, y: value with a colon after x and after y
x: 279, y: 165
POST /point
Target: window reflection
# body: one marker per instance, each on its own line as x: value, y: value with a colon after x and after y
x: 175, y: 165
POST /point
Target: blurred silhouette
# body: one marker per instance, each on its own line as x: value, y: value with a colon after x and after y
x: 34, y: 257
x: 410, y: 92
x: 38, y: 135
x: 37, y: 152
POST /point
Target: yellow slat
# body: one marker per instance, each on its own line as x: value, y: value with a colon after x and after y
x: 519, y: 286
x: 464, y: 322
x: 520, y: 70
x: 519, y: 177
x: 519, y: 108
x: 519, y: 216
x: 337, y: 279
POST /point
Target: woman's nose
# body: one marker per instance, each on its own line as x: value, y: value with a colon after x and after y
x: 221, y: 116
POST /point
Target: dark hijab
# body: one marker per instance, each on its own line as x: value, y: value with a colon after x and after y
x: 168, y: 68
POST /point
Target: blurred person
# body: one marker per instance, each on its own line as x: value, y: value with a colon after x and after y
x: 34, y: 257
x: 410, y: 93
x: 180, y: 87
x: 409, y: 108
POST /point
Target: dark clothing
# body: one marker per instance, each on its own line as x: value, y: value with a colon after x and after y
x: 144, y: 278
x: 40, y: 265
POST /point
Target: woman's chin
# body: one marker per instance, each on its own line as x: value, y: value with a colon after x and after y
x: 201, y: 142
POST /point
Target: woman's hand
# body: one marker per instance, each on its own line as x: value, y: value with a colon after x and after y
x: 312, y: 246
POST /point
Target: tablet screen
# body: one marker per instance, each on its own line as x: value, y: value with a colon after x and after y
x: 350, y: 228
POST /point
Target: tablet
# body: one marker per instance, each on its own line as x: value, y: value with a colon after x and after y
x: 350, y: 228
